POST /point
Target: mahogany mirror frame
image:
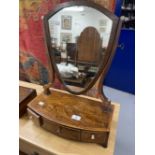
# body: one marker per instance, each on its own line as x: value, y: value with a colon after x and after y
x: 103, y: 68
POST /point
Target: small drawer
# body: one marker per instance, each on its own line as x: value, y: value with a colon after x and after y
x: 34, y: 117
x: 50, y: 126
x: 60, y: 130
x: 70, y: 133
x: 97, y: 137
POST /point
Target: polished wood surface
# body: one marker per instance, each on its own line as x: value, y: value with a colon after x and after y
x: 60, y: 107
x: 71, y: 117
x: 36, y: 139
x: 25, y: 96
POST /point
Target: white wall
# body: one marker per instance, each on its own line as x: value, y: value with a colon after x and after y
x: 80, y: 20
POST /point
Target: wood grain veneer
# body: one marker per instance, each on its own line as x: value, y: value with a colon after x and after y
x: 56, y: 116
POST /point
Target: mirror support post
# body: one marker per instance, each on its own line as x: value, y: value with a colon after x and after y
x: 47, y: 89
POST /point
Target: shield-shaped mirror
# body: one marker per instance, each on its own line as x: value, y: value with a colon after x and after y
x: 80, y: 37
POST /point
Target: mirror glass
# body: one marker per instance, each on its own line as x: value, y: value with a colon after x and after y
x: 79, y: 39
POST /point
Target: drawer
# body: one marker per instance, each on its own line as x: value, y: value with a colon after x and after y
x: 70, y: 133
x: 97, y: 137
x: 34, y: 117
x: 50, y: 126
x: 60, y: 130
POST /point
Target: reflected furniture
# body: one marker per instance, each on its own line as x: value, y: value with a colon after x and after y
x: 57, y: 54
x: 89, y: 46
x: 71, y: 52
x: 85, y: 54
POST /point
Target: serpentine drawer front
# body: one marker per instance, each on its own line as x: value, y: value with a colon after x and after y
x: 70, y: 133
x: 62, y: 131
x: 73, y: 134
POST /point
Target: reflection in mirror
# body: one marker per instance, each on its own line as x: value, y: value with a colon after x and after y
x: 79, y: 39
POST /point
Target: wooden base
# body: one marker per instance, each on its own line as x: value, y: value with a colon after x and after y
x: 72, y: 117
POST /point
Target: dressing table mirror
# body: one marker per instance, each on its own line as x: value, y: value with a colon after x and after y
x: 81, y: 39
